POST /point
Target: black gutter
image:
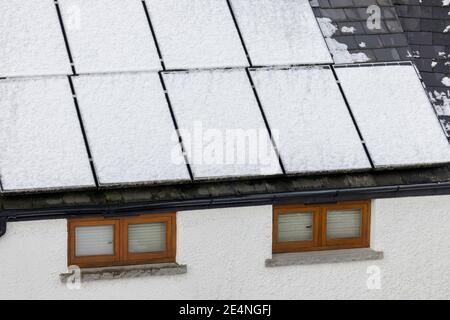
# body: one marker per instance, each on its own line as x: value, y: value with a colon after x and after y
x: 304, y: 197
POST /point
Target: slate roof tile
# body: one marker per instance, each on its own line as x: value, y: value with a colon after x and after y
x: 410, y: 30
x: 426, y: 23
x: 388, y: 43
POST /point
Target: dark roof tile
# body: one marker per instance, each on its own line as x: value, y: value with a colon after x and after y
x: 340, y: 3
x: 370, y: 41
x: 387, y: 54
x: 394, y: 40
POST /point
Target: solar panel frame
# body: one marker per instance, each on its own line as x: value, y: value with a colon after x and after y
x: 186, y: 118
x: 422, y: 97
x: 269, y: 52
x: 33, y: 44
x: 213, y: 41
x: 284, y: 81
x: 109, y: 36
x: 130, y: 105
x: 68, y: 166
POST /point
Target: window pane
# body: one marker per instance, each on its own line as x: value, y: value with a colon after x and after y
x: 343, y: 224
x: 295, y: 227
x: 94, y: 241
x: 148, y: 237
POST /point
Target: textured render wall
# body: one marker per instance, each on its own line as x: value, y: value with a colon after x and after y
x: 225, y: 252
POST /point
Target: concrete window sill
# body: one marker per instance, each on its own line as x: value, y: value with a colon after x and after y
x: 126, y: 272
x: 319, y: 257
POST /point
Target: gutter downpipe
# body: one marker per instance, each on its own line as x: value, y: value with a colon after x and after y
x: 3, y: 226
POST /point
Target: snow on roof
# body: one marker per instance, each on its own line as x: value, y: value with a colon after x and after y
x: 129, y: 128
x: 132, y: 96
x: 394, y: 115
x: 41, y: 145
x: 31, y: 42
x: 307, y: 109
x: 279, y: 32
x: 209, y: 40
x: 339, y: 50
x: 221, y: 109
x: 109, y: 35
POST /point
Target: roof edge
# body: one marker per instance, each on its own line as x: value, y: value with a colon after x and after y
x: 305, y: 197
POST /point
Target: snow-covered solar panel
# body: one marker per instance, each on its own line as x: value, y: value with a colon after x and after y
x: 196, y: 34
x: 394, y: 115
x: 41, y: 143
x: 221, y: 125
x: 129, y: 128
x: 280, y: 32
x: 315, y: 129
x: 109, y: 35
x: 31, y: 41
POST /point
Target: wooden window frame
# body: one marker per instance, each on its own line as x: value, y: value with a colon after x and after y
x: 162, y: 256
x: 320, y: 241
x: 99, y: 259
x: 121, y: 256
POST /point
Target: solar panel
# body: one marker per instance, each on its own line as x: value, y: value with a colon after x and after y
x: 306, y: 108
x: 196, y: 34
x: 109, y: 35
x: 394, y: 115
x: 221, y: 124
x: 278, y: 32
x: 41, y: 145
x: 31, y: 42
x: 129, y: 128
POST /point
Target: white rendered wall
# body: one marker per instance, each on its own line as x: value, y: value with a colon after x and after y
x: 225, y: 252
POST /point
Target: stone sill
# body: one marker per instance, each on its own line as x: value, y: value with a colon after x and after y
x: 125, y: 272
x: 319, y: 257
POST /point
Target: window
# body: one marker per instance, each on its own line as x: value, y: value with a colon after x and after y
x: 321, y: 227
x: 98, y: 242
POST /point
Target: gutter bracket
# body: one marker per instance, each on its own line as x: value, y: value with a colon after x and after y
x: 2, y: 226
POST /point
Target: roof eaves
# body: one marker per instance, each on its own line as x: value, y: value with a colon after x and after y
x: 306, y: 189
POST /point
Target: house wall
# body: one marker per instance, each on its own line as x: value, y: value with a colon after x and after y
x: 225, y: 250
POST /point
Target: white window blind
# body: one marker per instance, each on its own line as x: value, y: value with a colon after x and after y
x: 295, y: 226
x: 343, y: 224
x: 94, y: 241
x: 148, y: 237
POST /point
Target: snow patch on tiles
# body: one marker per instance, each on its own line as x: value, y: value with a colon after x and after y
x: 196, y: 34
x: 109, y: 36
x: 280, y: 32
x: 221, y: 124
x: 130, y: 129
x: 342, y: 55
x: 316, y: 131
x: 41, y: 145
x: 31, y: 41
x: 446, y: 81
x: 327, y: 27
x: 441, y: 101
x: 445, y: 3
x: 397, y: 122
x: 338, y: 50
x: 345, y: 29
